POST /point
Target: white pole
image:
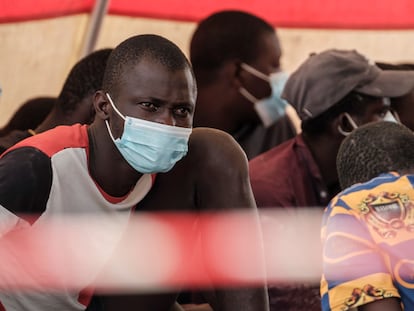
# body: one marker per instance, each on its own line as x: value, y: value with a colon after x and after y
x: 94, y: 26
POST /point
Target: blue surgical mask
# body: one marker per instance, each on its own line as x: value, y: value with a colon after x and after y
x: 150, y: 147
x: 271, y: 108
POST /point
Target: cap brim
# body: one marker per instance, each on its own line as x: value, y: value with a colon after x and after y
x: 389, y: 83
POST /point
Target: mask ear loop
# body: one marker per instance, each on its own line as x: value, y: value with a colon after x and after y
x: 343, y: 132
x: 255, y: 72
x: 109, y: 130
x: 114, y: 107
x: 351, y: 121
x: 248, y: 95
x: 117, y: 111
x: 396, y: 115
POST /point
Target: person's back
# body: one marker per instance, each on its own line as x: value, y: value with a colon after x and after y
x: 235, y: 57
x: 23, y: 122
x: 29, y: 115
x: 333, y: 92
x: 367, y: 228
x: 74, y: 103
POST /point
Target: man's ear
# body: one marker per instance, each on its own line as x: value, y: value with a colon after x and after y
x: 101, y: 104
x: 233, y: 73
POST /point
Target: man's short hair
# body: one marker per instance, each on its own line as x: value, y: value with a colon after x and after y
x: 223, y: 36
x: 134, y: 49
x: 374, y: 149
x: 84, y: 79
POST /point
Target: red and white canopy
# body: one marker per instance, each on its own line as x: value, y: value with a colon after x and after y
x: 347, y: 14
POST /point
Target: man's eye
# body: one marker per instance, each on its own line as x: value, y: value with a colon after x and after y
x: 383, y: 113
x: 148, y: 105
x: 182, y: 111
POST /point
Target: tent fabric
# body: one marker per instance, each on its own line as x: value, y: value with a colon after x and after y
x: 333, y: 14
x: 26, y: 10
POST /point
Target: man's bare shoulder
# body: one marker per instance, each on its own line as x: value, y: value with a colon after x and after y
x: 209, y: 144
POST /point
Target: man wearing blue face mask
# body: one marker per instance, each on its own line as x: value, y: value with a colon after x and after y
x: 236, y: 61
x: 137, y: 155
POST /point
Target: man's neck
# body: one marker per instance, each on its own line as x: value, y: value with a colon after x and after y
x: 53, y: 119
x: 324, y: 149
x: 217, y: 112
x: 107, y: 166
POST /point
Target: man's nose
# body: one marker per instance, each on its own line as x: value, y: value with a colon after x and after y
x: 166, y: 118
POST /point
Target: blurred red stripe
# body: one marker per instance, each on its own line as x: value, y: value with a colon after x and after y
x: 162, y: 250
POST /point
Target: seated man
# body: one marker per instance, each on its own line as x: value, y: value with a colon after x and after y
x: 142, y: 128
x: 239, y: 80
x: 367, y: 229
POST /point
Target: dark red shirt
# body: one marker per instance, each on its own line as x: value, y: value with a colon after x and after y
x: 288, y: 176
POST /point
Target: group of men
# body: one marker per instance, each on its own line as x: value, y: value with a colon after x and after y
x: 141, y: 154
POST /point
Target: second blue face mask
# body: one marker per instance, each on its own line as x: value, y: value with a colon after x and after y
x: 150, y: 147
x: 271, y: 108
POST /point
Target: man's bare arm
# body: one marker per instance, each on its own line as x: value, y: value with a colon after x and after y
x: 222, y: 184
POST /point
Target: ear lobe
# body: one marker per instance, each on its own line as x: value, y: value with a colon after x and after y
x: 100, y: 102
x: 232, y: 72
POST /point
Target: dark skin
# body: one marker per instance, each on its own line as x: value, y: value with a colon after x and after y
x: 171, y: 103
x: 325, y: 147
x: 185, y: 189
x: 213, y: 175
x: 388, y: 304
x: 84, y: 113
x: 404, y: 106
x: 220, y: 104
